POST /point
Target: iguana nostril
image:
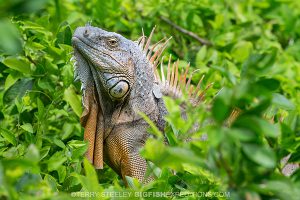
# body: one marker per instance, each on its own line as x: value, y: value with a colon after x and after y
x: 86, y: 33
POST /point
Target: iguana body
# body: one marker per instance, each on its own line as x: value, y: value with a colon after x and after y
x: 119, y: 80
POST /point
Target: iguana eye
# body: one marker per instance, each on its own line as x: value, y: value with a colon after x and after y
x: 113, y: 42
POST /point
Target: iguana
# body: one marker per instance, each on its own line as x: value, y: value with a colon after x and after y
x: 119, y: 80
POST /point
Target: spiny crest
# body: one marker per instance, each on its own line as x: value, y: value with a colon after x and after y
x: 233, y: 116
x: 159, y: 47
x: 173, y: 83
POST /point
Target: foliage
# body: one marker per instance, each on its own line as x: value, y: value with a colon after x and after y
x: 254, y: 62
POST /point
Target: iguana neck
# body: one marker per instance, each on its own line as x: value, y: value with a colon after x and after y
x: 141, y: 93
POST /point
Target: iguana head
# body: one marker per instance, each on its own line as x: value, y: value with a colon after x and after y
x: 105, y: 56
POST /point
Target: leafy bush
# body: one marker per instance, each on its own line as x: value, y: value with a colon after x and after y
x: 253, y: 61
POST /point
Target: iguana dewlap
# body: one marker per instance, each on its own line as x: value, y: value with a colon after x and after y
x: 119, y: 80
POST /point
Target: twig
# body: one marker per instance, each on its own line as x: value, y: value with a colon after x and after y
x: 31, y: 60
x: 189, y: 33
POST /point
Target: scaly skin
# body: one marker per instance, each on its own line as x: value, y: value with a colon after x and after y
x: 117, y: 82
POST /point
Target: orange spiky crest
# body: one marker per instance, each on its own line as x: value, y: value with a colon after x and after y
x: 173, y: 83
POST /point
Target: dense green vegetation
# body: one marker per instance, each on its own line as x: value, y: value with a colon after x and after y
x: 253, y: 59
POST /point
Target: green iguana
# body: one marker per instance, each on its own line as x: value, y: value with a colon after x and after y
x: 120, y: 79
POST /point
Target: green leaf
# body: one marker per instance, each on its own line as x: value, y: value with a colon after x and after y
x: 32, y: 153
x: 41, y: 108
x: 28, y: 180
x: 76, y: 144
x: 261, y: 155
x: 73, y: 99
x: 154, y: 128
x: 177, y: 122
x: 283, y: 188
x: 259, y: 64
x: 133, y: 182
x: 243, y: 135
x: 44, y: 151
x: 172, y: 157
x: 59, y: 143
x: 64, y: 35
x: 67, y: 130
x: 10, y: 40
x: 17, y: 91
x: 201, y: 55
x: 67, y: 74
x: 56, y: 160
x: 172, y: 139
x: 62, y: 172
x: 19, y: 64
x: 282, y: 102
x: 51, y: 181
x: 258, y: 125
x: 220, y: 110
x: 46, y: 84
x: 27, y: 127
x: 268, y: 83
x: 9, y: 136
x: 241, y: 50
x: 36, y: 28
x: 10, y: 80
x: 268, y: 129
x: 90, y: 181
x: 221, y: 105
x: 20, y: 164
x: 78, y: 148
